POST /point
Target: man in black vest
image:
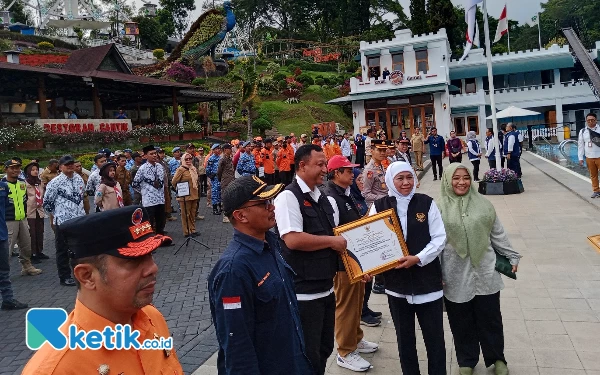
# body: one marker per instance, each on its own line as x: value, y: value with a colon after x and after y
x: 349, y: 297
x: 305, y: 221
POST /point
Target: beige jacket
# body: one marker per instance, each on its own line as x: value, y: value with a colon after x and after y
x: 32, y: 205
x: 417, y: 142
x: 182, y: 174
x: 106, y: 198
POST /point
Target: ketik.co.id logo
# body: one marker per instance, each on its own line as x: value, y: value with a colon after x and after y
x: 43, y: 325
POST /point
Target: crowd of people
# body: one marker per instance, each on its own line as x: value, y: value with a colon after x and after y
x: 279, y: 295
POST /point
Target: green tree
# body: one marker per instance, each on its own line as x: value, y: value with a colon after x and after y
x: 441, y: 14
x: 418, y: 17
x: 166, y: 21
x: 248, y: 79
x: 179, y: 9
x: 18, y: 11
x: 152, y: 35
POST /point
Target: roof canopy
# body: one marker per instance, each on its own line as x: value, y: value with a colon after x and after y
x: 406, y: 91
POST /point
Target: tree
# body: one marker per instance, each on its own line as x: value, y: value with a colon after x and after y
x: 248, y: 79
x: 152, y: 34
x: 179, y: 10
x: 418, y: 17
x: 441, y: 14
x: 18, y: 12
x: 166, y: 21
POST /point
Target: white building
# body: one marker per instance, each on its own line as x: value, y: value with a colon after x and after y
x: 433, y: 90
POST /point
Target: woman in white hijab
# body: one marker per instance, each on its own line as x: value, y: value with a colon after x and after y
x: 414, y: 287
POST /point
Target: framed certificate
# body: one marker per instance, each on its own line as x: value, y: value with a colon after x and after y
x: 375, y: 244
x: 595, y: 242
x: 183, y: 189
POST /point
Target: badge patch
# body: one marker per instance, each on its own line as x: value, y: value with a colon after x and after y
x: 369, y: 174
x: 307, y: 203
x: 232, y: 303
x: 421, y: 217
x: 137, y: 216
x: 262, y: 281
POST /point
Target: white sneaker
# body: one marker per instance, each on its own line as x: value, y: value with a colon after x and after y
x: 365, y: 346
x: 353, y: 361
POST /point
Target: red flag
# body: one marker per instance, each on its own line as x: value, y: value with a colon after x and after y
x: 502, y: 26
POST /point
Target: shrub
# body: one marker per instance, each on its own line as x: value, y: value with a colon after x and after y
x: 199, y: 81
x: 272, y: 68
x: 282, y: 84
x: 192, y: 126
x: 305, y: 79
x: 181, y: 73
x: 319, y: 81
x: 5, y: 45
x: 159, y: 54
x: 279, y: 76
x: 45, y: 45
x: 504, y: 175
x: 297, y: 71
x: 261, y: 124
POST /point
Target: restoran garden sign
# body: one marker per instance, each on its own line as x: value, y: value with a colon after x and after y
x: 84, y: 125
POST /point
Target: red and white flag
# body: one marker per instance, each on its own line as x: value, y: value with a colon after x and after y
x: 502, y: 26
x: 232, y: 303
x: 472, y: 29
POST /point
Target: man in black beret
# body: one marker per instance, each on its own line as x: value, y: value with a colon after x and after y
x: 115, y: 275
x: 252, y: 299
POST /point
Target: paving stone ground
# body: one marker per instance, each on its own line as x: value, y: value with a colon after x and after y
x: 552, y: 312
x: 181, y: 294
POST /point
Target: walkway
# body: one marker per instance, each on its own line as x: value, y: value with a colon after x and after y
x: 551, y: 313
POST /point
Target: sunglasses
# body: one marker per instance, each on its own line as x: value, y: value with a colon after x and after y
x: 266, y: 203
x: 187, y: 159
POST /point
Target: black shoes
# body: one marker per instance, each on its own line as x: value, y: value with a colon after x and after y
x: 42, y: 256
x: 35, y: 259
x: 217, y: 209
x: 369, y: 321
x: 69, y: 281
x: 434, y: 178
x: 374, y: 314
x: 13, y: 304
x: 378, y: 289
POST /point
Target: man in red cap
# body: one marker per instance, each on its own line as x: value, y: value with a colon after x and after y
x: 349, y: 297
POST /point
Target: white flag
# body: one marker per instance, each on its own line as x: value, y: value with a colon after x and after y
x: 472, y: 29
x: 502, y: 26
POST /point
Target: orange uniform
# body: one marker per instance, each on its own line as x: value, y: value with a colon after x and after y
x: 285, y: 159
x: 148, y: 320
x: 257, y: 158
x: 267, y: 160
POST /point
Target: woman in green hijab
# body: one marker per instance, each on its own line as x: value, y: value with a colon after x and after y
x: 471, y: 283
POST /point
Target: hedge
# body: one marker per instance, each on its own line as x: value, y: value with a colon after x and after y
x: 4, y: 34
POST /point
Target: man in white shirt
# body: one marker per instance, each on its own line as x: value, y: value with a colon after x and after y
x: 345, y: 146
x: 150, y: 180
x: 588, y: 144
x: 305, y: 222
x: 368, y: 146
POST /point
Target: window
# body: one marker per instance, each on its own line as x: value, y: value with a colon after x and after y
x: 547, y: 77
x: 533, y: 78
x: 459, y: 125
x: 398, y: 62
x: 422, y: 64
x: 516, y: 80
x: 473, y: 122
x: 500, y: 82
x: 457, y: 83
x: 565, y: 75
x: 470, y: 85
x: 373, y: 66
x: 486, y: 83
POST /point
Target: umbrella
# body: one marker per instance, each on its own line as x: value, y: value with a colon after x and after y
x: 513, y: 111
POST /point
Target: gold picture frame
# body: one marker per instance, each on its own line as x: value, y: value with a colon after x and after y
x: 595, y: 242
x: 379, y: 248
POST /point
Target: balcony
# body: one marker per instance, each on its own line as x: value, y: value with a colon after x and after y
x: 422, y: 79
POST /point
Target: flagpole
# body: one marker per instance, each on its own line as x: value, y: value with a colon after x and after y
x: 488, y: 52
x: 507, y: 26
x: 539, y: 30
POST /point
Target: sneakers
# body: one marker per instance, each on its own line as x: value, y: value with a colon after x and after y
x: 199, y: 217
x: 365, y: 346
x: 500, y: 368
x: 369, y: 321
x: 353, y: 361
x: 69, y: 281
x: 374, y: 314
x: 13, y: 304
x: 595, y: 195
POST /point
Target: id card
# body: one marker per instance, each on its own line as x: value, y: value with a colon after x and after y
x: 261, y: 171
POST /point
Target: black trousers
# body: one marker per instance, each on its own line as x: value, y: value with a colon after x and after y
x: 269, y: 178
x: 157, y: 217
x: 203, y: 186
x: 62, y: 255
x: 36, y: 232
x: 436, y: 162
x: 318, y: 322
x: 430, y: 317
x: 277, y: 178
x: 286, y: 177
x: 514, y: 164
x: 492, y: 163
x: 476, y: 168
x: 368, y: 289
x: 477, y: 323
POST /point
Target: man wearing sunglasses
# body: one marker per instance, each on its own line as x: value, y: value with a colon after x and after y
x: 251, y: 290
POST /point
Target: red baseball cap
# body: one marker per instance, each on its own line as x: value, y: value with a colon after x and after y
x: 339, y: 161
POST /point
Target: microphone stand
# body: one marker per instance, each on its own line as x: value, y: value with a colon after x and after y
x: 189, y: 237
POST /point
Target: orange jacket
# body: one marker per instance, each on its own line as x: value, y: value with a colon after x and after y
x: 148, y: 320
x: 267, y: 160
x: 257, y: 158
x: 285, y: 159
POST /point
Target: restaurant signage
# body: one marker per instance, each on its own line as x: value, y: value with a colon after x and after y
x: 84, y: 125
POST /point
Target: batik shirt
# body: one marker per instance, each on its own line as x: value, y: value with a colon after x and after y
x: 93, y: 182
x: 129, y: 164
x: 212, y: 166
x: 173, y: 165
x: 246, y: 165
x: 150, y: 180
x: 64, y: 198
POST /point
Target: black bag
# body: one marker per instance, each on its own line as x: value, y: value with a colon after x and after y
x: 503, y: 266
x: 594, y: 137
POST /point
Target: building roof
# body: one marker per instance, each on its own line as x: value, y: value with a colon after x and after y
x: 406, y: 91
x: 87, y: 60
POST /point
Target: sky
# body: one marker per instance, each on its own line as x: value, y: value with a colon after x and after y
x: 518, y: 10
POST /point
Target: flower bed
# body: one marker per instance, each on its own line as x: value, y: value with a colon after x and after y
x: 503, y: 182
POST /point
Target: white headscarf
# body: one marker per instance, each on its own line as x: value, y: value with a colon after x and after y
x: 402, y: 201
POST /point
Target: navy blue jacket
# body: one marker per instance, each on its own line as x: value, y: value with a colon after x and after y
x: 516, y: 151
x: 437, y: 146
x: 3, y: 205
x: 254, y: 308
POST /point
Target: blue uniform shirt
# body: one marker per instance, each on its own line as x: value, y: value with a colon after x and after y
x: 436, y: 145
x: 246, y: 165
x: 3, y: 204
x: 255, y: 312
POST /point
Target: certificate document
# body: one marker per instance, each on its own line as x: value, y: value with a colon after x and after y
x: 375, y: 244
x: 183, y: 189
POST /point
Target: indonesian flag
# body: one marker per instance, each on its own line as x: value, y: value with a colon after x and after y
x: 472, y: 28
x: 502, y: 26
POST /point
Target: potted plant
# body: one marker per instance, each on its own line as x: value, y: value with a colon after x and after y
x: 192, y: 130
x: 174, y: 133
x: 501, y: 182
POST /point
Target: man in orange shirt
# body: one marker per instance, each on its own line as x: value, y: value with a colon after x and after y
x: 257, y: 155
x: 285, y: 159
x: 115, y: 281
x: 268, y: 162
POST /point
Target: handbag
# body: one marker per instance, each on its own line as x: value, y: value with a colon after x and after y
x: 503, y: 266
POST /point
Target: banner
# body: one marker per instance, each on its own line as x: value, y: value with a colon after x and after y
x: 84, y: 125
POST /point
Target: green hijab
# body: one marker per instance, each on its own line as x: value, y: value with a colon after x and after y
x: 468, y: 219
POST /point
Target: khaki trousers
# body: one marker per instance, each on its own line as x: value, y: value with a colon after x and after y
x: 593, y: 165
x: 419, y: 159
x: 188, y: 215
x: 18, y: 233
x: 348, y: 308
